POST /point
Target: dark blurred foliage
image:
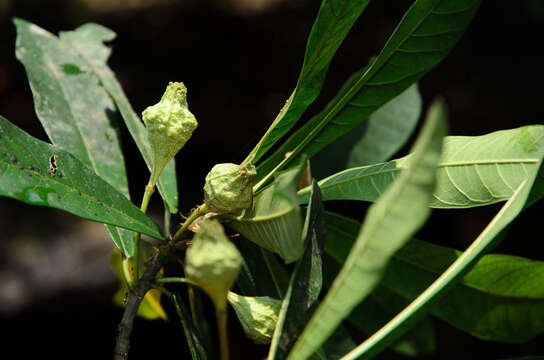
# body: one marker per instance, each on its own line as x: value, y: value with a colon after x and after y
x: 240, y: 60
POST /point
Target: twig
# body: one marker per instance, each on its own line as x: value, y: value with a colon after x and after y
x: 135, y: 298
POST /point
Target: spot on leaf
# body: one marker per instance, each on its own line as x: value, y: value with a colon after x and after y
x: 71, y: 69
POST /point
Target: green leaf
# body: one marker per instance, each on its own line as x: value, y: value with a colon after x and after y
x: 26, y: 174
x: 96, y: 54
x: 274, y: 222
x: 488, y: 238
x: 375, y: 140
x: 389, y: 223
x: 425, y: 35
x: 305, y: 284
x: 500, y: 299
x: 261, y: 274
x: 473, y: 171
x: 333, y: 22
x: 338, y: 344
x: 382, y: 304
x: 76, y: 112
x: 191, y: 333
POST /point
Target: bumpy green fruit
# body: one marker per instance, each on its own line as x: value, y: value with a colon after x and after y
x: 258, y: 315
x: 169, y: 125
x: 228, y: 188
x: 213, y: 262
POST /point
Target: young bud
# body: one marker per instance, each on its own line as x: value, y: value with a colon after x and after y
x: 228, y: 188
x: 258, y: 315
x: 213, y: 262
x: 169, y: 125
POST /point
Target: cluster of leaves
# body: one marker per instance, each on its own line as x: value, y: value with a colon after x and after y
x: 373, y: 275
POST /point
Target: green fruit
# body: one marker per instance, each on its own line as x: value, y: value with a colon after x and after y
x: 169, y: 125
x: 213, y: 262
x: 228, y: 188
x: 258, y: 315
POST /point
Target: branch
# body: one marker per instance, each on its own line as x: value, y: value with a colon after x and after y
x: 135, y: 298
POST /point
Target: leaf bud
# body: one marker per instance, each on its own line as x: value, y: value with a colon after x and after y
x: 228, y: 188
x: 258, y: 315
x: 169, y: 125
x: 213, y: 262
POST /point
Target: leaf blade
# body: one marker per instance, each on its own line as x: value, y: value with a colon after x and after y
x: 78, y: 191
x: 405, y: 58
x: 482, y: 303
x: 85, y: 128
x: 374, y: 141
x: 474, y: 171
x: 377, y: 342
x: 333, y: 22
x: 387, y: 226
x: 94, y: 36
x: 306, y: 282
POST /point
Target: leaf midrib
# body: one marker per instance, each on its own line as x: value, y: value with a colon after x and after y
x: 324, y: 185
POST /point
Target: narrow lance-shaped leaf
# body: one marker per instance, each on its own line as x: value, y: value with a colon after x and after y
x: 389, y: 223
x: 192, y: 334
x: 375, y: 140
x: 76, y: 112
x: 425, y: 35
x: 488, y: 238
x: 473, y: 171
x: 333, y: 22
x: 305, y: 284
x: 41, y: 174
x: 96, y: 54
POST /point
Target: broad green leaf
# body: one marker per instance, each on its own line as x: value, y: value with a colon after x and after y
x: 150, y: 307
x: 305, y: 284
x: 381, y: 305
x: 375, y: 140
x: 425, y: 35
x: 192, y: 334
x: 389, y: 223
x: 96, y: 54
x: 333, y: 22
x: 500, y: 299
x: 76, y: 112
x: 473, y: 171
x: 488, y: 238
x: 26, y: 174
x: 273, y: 222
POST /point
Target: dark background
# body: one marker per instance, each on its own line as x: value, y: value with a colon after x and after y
x: 240, y: 60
